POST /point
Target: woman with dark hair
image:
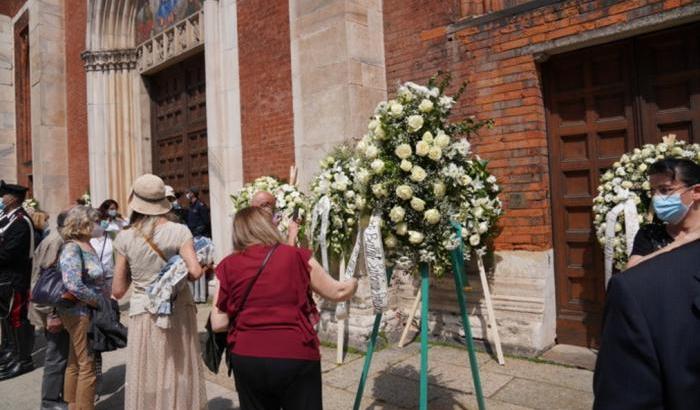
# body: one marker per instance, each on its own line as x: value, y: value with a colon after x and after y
x: 164, y: 367
x: 673, y: 182
x: 266, y: 285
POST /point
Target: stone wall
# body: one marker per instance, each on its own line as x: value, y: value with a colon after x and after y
x: 8, y: 156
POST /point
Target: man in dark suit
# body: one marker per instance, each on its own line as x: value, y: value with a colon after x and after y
x: 16, y: 251
x: 198, y: 219
x: 650, y: 349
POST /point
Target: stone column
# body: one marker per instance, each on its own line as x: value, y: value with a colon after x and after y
x: 48, y: 109
x: 113, y: 123
x: 338, y: 77
x: 223, y: 116
x: 8, y: 153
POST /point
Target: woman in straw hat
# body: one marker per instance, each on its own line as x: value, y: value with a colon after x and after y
x: 164, y: 369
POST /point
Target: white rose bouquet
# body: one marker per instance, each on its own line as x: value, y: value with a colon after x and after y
x: 288, y: 200
x: 416, y: 168
x: 30, y: 205
x: 627, y: 179
x: 335, y: 180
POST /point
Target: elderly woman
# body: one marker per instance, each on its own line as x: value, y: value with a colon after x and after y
x: 83, y: 278
x: 164, y: 367
x: 266, y: 285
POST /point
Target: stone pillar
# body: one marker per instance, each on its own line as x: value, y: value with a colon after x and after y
x: 223, y: 116
x: 338, y: 74
x: 48, y: 109
x: 8, y: 153
x: 338, y: 77
x: 114, y: 123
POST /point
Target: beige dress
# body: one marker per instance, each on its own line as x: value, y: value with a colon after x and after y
x: 164, y: 366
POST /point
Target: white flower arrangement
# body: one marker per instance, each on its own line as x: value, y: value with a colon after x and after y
x: 86, y: 198
x: 335, y: 180
x: 428, y: 177
x: 287, y: 197
x: 627, y: 179
x: 30, y: 205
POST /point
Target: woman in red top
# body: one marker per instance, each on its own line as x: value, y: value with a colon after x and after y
x: 275, y: 350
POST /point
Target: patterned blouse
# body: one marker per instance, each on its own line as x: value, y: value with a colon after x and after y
x: 83, y: 277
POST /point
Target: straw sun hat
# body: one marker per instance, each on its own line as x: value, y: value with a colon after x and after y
x: 148, y: 196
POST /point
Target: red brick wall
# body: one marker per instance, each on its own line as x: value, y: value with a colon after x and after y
x: 76, y: 98
x: 267, y: 118
x: 504, y: 84
x: 11, y: 7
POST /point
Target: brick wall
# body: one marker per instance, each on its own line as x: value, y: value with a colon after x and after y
x: 492, y: 55
x: 267, y: 120
x: 76, y: 99
x: 10, y: 7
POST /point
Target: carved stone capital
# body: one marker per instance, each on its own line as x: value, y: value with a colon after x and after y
x: 110, y: 60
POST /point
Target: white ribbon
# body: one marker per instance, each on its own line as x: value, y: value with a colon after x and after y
x: 631, y: 227
x: 321, y: 211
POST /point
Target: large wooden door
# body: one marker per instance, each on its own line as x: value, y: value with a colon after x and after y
x: 179, y: 126
x: 602, y: 102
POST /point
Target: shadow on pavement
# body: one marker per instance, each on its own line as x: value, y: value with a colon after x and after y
x: 113, y: 380
x: 220, y: 403
x: 400, y: 386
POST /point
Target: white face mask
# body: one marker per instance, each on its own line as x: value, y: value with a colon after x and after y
x: 112, y: 213
x: 97, y: 231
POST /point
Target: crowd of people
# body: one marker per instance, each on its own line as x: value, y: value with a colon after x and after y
x: 102, y: 257
x: 648, y: 356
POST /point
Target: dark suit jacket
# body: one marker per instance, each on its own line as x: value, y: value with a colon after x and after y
x: 15, y: 243
x: 650, y: 349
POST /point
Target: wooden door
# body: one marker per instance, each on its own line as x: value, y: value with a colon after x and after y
x: 669, y: 78
x: 179, y: 126
x: 591, y: 123
x: 23, y: 106
x: 602, y: 102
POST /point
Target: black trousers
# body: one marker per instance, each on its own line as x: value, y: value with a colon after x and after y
x: 55, y: 361
x: 274, y: 384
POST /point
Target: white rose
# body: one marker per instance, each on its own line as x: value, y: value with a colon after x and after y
x: 362, y: 176
x: 483, y: 227
x: 642, y: 167
x: 396, y: 109
x: 479, y: 212
x: 439, y: 190
x: 442, y: 140
x: 390, y: 241
x: 404, y: 192
x: 377, y: 166
x: 349, y: 194
x: 340, y: 186
x: 373, y: 125
x: 350, y: 221
x: 415, y: 122
x: 371, y: 151
x: 360, y: 202
x: 422, y: 148
x: 417, y: 204
x: 418, y: 174
x: 428, y: 137
x: 464, y: 180
x: 435, y: 153
x: 474, y: 240
x: 425, y: 106
x: 397, y: 214
x: 415, y: 237
x: 646, y: 186
x: 401, y: 229
x: 379, y: 132
x: 403, y: 151
x: 406, y: 165
x: 627, y: 184
x: 378, y: 190
x: 432, y: 216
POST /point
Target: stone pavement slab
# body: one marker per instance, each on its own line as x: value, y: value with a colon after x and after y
x: 543, y: 372
x: 537, y: 395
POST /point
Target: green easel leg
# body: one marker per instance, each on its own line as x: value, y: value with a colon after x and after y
x: 459, y: 286
x: 370, y: 351
x: 425, y: 288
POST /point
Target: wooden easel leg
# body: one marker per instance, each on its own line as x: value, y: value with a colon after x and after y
x: 340, y: 342
x: 370, y: 351
x: 489, y: 309
x: 425, y: 283
x: 473, y: 363
x: 411, y: 316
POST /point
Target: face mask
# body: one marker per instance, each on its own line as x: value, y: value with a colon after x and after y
x: 670, y: 208
x: 97, y: 231
x: 112, y: 213
x: 104, y: 224
x: 2, y: 205
x: 175, y: 204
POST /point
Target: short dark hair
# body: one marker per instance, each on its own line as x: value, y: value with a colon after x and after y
x: 678, y: 169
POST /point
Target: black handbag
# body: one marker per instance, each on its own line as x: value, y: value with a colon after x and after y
x: 49, y: 288
x: 216, y: 344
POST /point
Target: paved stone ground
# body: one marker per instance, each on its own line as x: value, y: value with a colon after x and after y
x: 393, y: 382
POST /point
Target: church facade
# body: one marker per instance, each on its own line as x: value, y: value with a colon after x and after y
x: 214, y: 93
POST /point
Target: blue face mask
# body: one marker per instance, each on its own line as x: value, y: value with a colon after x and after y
x: 2, y: 205
x: 670, y: 208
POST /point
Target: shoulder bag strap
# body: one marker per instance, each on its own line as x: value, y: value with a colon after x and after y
x: 252, y: 282
x: 153, y: 246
